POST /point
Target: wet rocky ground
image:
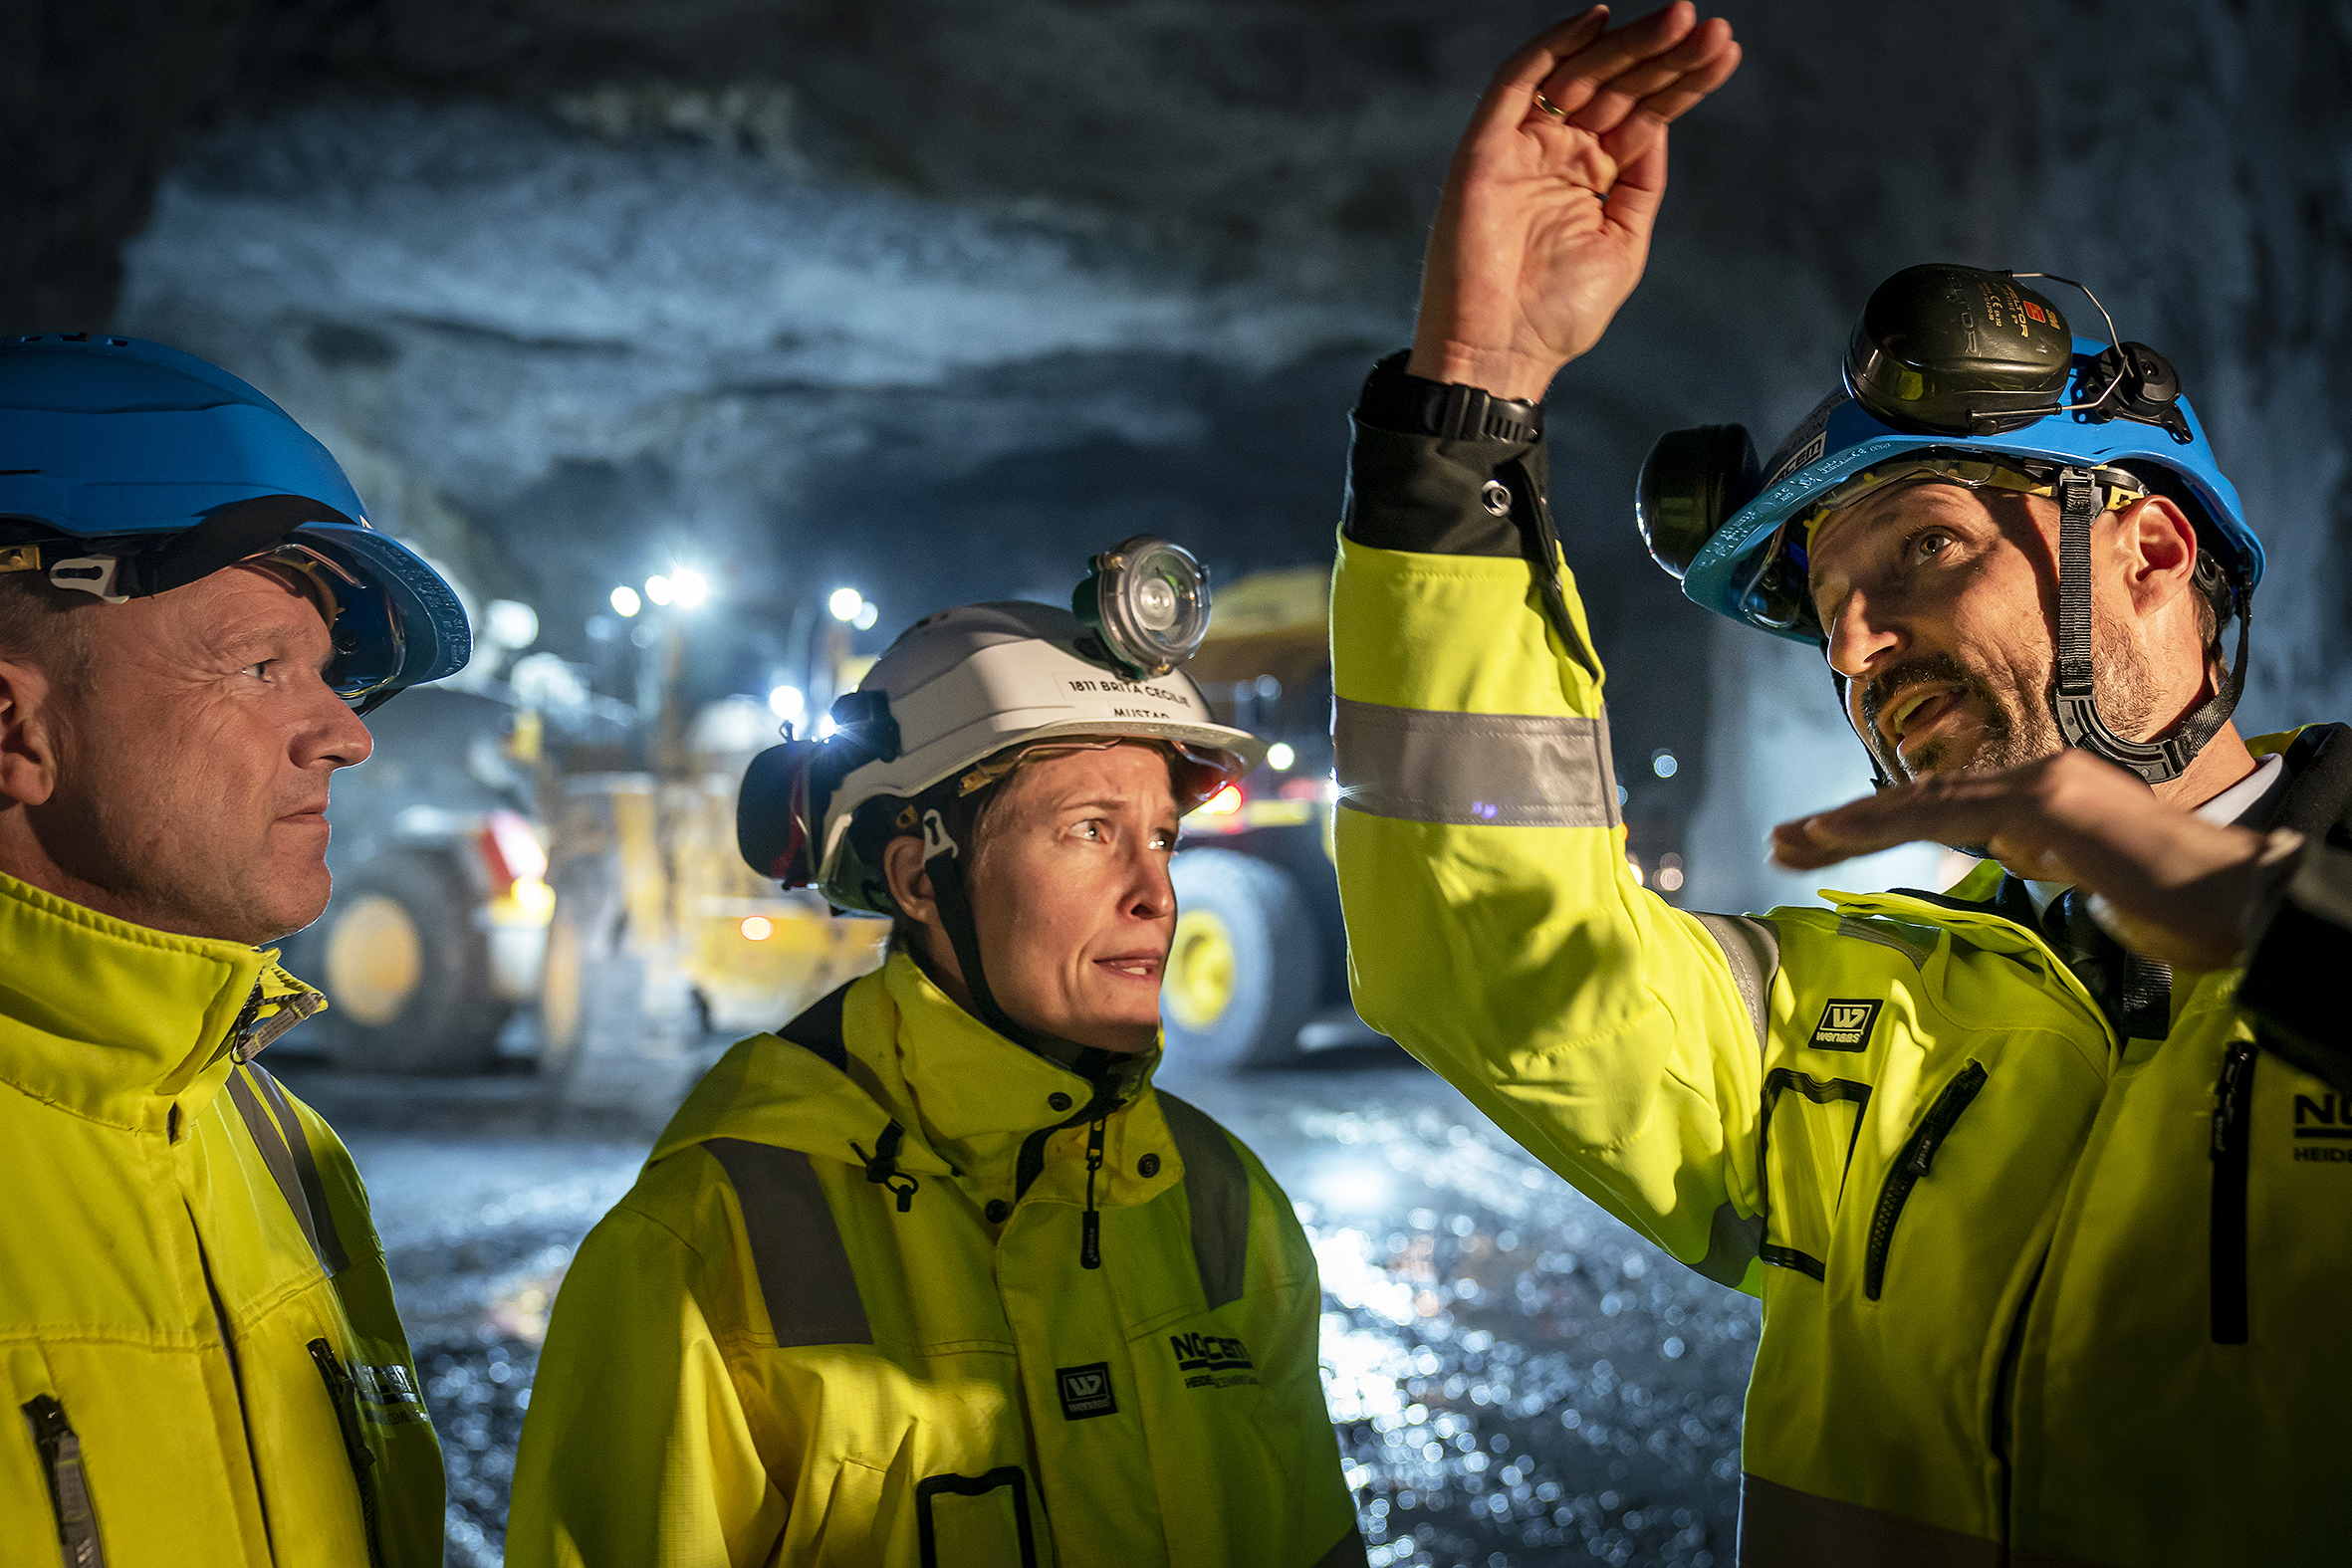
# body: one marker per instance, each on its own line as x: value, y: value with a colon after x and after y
x: 1516, y: 1377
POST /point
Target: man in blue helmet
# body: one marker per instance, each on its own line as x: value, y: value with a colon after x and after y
x: 200, y: 1361
x: 2039, y: 1179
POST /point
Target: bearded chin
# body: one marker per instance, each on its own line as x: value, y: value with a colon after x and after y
x: 2005, y: 739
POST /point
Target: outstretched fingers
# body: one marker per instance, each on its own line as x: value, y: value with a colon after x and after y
x: 1966, y: 810
x: 1510, y: 97
x: 1647, y: 117
x: 1619, y: 60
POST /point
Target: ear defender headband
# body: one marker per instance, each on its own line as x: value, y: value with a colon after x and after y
x: 1955, y: 375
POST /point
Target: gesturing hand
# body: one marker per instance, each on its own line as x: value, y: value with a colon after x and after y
x: 1546, y: 215
x: 2168, y: 883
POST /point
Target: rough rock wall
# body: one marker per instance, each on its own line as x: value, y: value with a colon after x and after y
x: 935, y: 299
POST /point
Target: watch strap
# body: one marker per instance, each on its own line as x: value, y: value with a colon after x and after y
x: 1395, y: 400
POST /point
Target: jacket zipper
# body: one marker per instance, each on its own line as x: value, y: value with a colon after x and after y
x: 1917, y: 1154
x: 69, y: 1487
x: 345, y: 1396
x: 1091, y: 1223
x: 2234, y: 1113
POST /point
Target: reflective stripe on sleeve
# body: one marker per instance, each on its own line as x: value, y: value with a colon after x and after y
x: 1782, y: 1527
x: 1217, y: 1189
x: 1475, y: 770
x: 804, y: 1270
x: 1753, y: 948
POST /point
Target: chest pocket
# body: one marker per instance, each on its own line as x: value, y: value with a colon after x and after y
x: 1805, y: 1151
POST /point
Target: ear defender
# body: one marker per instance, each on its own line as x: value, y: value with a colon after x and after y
x: 1692, y: 481
x: 1958, y: 350
x: 771, y: 813
x: 780, y: 809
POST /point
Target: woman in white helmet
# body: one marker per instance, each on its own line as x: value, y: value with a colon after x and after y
x: 934, y: 1275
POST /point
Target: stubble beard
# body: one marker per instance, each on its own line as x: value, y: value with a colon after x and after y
x: 2014, y: 732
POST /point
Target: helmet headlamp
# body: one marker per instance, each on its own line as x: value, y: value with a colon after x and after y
x: 1147, y: 602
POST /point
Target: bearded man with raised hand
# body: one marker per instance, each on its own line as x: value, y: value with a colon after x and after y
x: 200, y: 1361
x: 2034, y: 1175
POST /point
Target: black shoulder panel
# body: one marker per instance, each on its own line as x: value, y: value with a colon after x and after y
x: 819, y: 1028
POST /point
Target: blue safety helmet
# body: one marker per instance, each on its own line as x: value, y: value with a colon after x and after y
x: 1840, y: 439
x: 1969, y: 375
x: 128, y: 467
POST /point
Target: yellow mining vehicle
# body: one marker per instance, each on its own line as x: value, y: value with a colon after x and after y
x: 663, y: 945
x: 1258, y: 971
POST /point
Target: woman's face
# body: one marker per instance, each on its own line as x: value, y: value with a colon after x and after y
x: 1071, y: 894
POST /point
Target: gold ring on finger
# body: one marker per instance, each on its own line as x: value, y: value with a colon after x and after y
x: 1549, y: 106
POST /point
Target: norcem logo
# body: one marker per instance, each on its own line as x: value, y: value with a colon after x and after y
x: 2323, y: 1128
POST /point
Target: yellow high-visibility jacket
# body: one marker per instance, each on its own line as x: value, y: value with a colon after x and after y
x: 200, y: 1362
x: 893, y: 1290
x: 2033, y: 1294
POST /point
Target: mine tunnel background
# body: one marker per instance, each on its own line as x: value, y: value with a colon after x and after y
x: 937, y: 300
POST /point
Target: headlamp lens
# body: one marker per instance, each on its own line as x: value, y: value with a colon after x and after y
x: 1148, y: 601
x: 1156, y: 604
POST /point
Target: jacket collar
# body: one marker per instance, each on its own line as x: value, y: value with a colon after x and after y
x: 966, y: 1097
x: 975, y: 1095
x: 118, y: 1022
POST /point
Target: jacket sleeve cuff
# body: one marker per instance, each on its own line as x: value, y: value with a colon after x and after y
x: 2299, y: 944
x: 1437, y: 497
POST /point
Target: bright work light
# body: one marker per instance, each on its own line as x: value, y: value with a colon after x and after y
x: 845, y: 603
x: 1148, y: 601
x: 625, y: 603
x: 689, y: 588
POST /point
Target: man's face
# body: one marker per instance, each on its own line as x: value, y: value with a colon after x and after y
x: 1071, y: 899
x: 1939, y: 602
x: 193, y: 752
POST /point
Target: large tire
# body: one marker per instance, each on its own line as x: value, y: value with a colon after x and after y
x: 405, y: 965
x: 1244, y: 972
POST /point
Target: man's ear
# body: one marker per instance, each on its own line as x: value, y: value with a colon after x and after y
x: 2158, y: 544
x: 28, y: 739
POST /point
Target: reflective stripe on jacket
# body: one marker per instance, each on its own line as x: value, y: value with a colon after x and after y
x: 833, y: 1324
x: 200, y: 1362
x: 2031, y: 1292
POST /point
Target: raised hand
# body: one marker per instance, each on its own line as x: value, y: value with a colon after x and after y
x: 1554, y: 189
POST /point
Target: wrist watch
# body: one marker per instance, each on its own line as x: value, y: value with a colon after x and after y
x: 1394, y: 400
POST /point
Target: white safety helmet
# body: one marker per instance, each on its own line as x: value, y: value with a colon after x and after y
x: 957, y: 689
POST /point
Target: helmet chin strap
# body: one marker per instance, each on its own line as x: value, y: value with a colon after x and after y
x: 2071, y: 698
x: 943, y: 862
